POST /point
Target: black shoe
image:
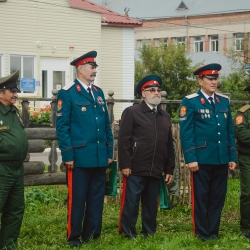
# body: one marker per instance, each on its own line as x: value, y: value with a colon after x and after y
x: 202, y: 238
x: 245, y: 235
x: 75, y: 243
x: 213, y: 237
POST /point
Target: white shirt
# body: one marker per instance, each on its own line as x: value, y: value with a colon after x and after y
x: 151, y: 106
x: 86, y: 87
x: 208, y: 96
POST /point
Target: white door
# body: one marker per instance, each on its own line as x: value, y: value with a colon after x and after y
x: 54, y: 74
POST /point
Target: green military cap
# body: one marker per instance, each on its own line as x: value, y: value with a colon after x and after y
x: 10, y: 82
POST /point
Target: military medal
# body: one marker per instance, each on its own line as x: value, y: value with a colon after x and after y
x: 207, y: 111
x: 202, y: 116
x: 103, y: 109
x: 205, y: 115
x: 83, y: 109
x: 208, y: 115
x: 1, y: 122
x: 225, y: 115
x: 100, y: 100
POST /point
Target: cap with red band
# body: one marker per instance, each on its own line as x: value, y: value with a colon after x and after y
x: 148, y: 81
x: 209, y: 70
x: 149, y: 84
x: 89, y: 58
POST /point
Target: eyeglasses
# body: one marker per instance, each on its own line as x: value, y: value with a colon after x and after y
x: 153, y: 90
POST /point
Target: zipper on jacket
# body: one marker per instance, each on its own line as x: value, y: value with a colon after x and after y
x: 134, y: 150
x: 154, y: 147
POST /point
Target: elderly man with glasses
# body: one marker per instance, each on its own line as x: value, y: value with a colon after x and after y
x: 145, y: 151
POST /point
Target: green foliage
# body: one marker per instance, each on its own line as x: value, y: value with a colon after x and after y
x: 172, y: 65
x: 44, y: 226
x: 42, y: 117
x: 35, y: 197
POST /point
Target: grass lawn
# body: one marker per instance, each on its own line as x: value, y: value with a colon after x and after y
x: 44, y: 225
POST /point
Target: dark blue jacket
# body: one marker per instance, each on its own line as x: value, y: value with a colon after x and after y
x: 83, y: 126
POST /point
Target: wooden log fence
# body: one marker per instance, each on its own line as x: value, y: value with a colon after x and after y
x: 35, y: 170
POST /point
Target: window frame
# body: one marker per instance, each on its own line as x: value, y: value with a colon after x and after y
x: 241, y: 41
x: 216, y: 41
x: 21, y: 73
x: 199, y: 43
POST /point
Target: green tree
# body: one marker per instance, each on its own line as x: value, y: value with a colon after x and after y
x: 173, y: 66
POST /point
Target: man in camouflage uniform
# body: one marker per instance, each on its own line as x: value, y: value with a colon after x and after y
x: 242, y: 132
x: 13, y: 150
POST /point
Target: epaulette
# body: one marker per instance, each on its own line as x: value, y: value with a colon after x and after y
x: 225, y: 96
x: 192, y: 96
x: 68, y: 85
x: 96, y: 88
x: 244, y: 108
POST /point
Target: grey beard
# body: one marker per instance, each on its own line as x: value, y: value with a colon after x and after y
x: 154, y: 101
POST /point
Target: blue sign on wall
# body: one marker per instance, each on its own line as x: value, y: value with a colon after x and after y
x: 28, y: 84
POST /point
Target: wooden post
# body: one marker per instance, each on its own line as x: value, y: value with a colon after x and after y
x: 163, y: 98
x: 53, y: 157
x: 25, y: 112
x: 110, y: 104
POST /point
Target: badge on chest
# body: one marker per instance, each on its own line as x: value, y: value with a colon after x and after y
x: 205, y: 113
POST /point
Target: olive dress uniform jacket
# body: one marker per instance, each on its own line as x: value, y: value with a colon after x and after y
x: 13, y: 139
x: 207, y: 134
x: 83, y: 126
x: 242, y: 129
x: 145, y: 143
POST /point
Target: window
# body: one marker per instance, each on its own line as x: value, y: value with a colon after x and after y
x: 214, y: 43
x: 25, y: 65
x: 158, y: 41
x: 198, y: 43
x: 239, y: 42
x: 146, y: 41
x: 138, y: 44
x: 180, y: 40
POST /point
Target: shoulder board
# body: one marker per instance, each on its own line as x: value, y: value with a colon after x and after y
x: 96, y: 87
x: 244, y: 108
x: 68, y: 85
x: 219, y: 94
x: 192, y: 96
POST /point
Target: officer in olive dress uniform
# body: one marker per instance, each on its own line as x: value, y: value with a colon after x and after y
x: 242, y: 134
x: 13, y: 150
x: 207, y: 139
x: 86, y: 143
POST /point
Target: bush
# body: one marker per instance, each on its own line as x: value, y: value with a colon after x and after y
x: 41, y: 117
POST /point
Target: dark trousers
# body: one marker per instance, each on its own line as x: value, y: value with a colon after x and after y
x: 244, y: 163
x: 86, y: 188
x: 135, y: 188
x: 209, y: 186
x: 11, y: 204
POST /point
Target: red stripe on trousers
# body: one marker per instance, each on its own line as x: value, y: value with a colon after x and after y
x: 122, y: 202
x: 192, y: 192
x: 69, y: 201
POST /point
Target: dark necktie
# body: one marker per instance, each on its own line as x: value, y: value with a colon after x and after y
x: 212, y: 101
x: 89, y: 90
x: 154, y: 110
